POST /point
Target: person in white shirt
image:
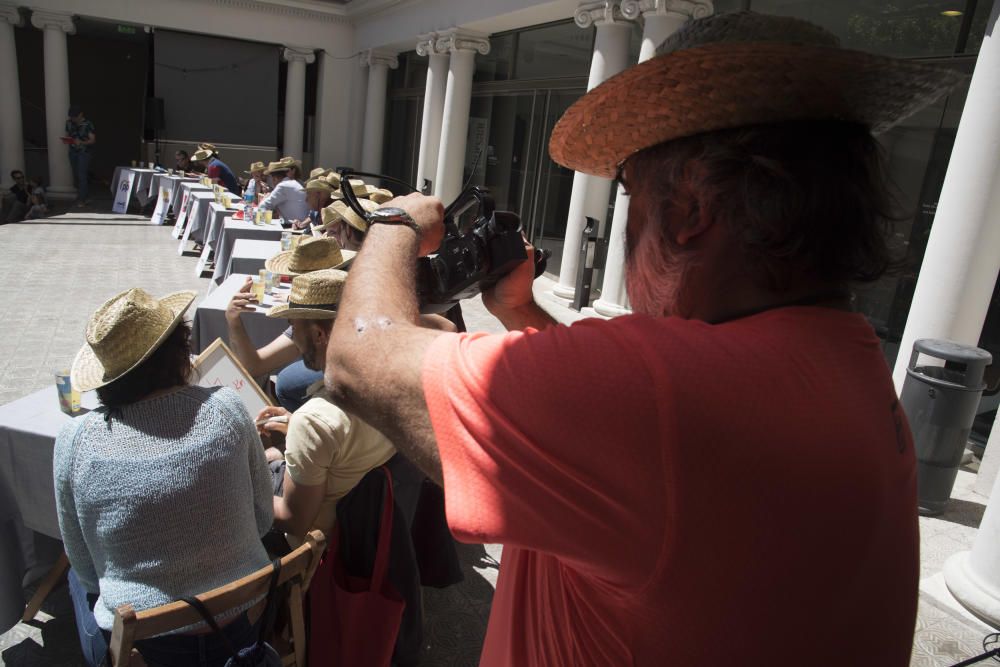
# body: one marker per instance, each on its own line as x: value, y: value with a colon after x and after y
x: 288, y: 197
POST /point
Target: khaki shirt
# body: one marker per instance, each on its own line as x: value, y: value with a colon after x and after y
x: 326, y: 445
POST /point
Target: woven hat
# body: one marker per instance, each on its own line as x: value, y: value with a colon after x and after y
x: 319, y: 184
x: 122, y: 334
x: 380, y: 196
x: 312, y: 254
x: 255, y: 166
x: 318, y: 172
x: 339, y: 210
x: 202, y: 154
x: 734, y: 70
x: 284, y: 164
x: 314, y: 296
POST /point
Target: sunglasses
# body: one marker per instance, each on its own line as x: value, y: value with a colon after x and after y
x: 397, y: 187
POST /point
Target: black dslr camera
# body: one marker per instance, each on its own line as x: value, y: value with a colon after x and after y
x: 480, y: 246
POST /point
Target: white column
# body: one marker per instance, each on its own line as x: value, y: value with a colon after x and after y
x: 295, y: 98
x: 661, y: 18
x: 457, y: 101
x: 56, y: 63
x: 434, y: 92
x: 962, y: 259
x: 332, y: 127
x: 11, y: 131
x: 973, y: 577
x: 378, y: 65
x: 589, y: 196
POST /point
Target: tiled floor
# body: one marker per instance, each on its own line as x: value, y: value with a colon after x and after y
x: 59, y: 270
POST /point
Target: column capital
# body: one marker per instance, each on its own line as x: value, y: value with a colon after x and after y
x: 427, y: 45
x: 11, y: 15
x: 297, y: 53
x: 692, y: 9
x: 599, y: 13
x: 373, y: 57
x: 454, y: 40
x: 43, y: 20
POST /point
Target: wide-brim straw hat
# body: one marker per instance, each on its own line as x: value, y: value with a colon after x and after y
x: 284, y: 164
x: 122, y: 334
x: 318, y: 172
x: 380, y: 195
x: 735, y: 70
x: 320, y: 185
x: 202, y: 154
x: 255, y: 166
x: 312, y: 254
x: 339, y: 210
x: 314, y: 296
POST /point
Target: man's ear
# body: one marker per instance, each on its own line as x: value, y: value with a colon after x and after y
x: 698, y: 223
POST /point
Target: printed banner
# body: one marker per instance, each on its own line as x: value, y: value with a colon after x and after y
x: 124, y: 191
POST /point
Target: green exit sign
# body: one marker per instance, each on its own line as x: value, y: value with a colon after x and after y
x: 127, y: 29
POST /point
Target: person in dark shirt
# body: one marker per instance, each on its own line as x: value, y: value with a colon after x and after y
x: 182, y: 162
x: 216, y: 169
x: 15, y: 202
x: 80, y: 132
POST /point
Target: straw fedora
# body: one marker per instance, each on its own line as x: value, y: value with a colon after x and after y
x: 319, y: 184
x: 312, y: 254
x: 255, y: 166
x: 202, y: 154
x: 339, y: 210
x: 122, y: 334
x: 284, y: 164
x: 733, y: 70
x: 380, y: 195
x: 318, y: 172
x: 314, y: 296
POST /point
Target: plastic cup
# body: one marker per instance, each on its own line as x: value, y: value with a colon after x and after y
x: 69, y: 397
x: 133, y: 163
x: 267, y: 217
x: 286, y: 241
x: 258, y: 290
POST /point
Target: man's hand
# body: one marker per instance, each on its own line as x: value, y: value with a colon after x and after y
x: 267, y: 428
x: 428, y: 213
x: 513, y: 291
x: 240, y: 303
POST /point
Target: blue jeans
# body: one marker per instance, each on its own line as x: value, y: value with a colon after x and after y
x: 204, y: 650
x: 290, y: 387
x: 80, y: 161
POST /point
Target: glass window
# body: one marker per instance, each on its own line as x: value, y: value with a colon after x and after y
x: 907, y: 28
x: 977, y: 27
x: 495, y: 65
x: 497, y: 152
x: 416, y: 70
x: 402, y: 138
x: 554, y: 51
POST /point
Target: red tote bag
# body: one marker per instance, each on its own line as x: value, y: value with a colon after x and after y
x: 354, y: 621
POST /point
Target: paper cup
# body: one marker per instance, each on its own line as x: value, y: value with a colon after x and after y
x: 69, y: 397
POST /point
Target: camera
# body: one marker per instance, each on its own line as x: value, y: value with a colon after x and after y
x: 480, y: 246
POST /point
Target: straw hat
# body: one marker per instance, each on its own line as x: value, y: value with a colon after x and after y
x: 314, y: 296
x: 284, y: 164
x: 255, y: 166
x: 318, y: 172
x: 380, y: 196
x: 339, y: 210
x: 734, y: 70
x: 122, y: 334
x: 333, y: 178
x: 202, y: 154
x: 319, y: 184
x: 312, y: 254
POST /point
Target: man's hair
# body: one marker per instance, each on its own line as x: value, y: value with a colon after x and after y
x: 802, y: 199
x: 168, y: 366
x: 15, y: 172
x: 181, y: 153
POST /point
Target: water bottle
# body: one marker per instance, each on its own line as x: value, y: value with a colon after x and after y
x: 248, y: 207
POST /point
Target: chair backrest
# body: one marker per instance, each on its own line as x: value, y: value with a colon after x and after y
x: 297, y: 567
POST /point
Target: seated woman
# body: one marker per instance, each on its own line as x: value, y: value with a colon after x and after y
x: 164, y: 491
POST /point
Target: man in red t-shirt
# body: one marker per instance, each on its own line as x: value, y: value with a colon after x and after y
x: 725, y: 475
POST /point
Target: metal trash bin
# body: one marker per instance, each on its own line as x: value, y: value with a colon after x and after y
x: 940, y: 403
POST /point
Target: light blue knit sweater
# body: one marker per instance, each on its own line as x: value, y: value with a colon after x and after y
x: 167, y: 498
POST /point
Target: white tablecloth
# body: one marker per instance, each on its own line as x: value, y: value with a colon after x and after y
x: 209, y: 320
x: 239, y: 229
x: 199, y: 202
x: 249, y: 255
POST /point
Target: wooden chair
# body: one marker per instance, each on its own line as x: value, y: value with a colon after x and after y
x: 45, y: 586
x: 297, y: 567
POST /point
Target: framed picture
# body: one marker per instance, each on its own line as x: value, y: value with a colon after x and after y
x: 217, y: 366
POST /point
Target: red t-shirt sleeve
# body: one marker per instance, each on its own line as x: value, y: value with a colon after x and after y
x: 548, y: 441
x: 214, y: 171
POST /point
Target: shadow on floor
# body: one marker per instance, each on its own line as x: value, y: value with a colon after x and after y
x: 963, y: 512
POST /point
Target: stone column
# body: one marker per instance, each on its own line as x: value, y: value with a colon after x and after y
x: 661, y: 19
x: 55, y: 27
x: 378, y: 64
x: 295, y: 98
x: 590, y: 194
x: 973, y: 577
x: 962, y: 259
x: 430, y: 126
x: 457, y: 101
x: 11, y: 131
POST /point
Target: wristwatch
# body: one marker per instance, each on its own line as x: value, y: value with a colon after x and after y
x: 394, y: 216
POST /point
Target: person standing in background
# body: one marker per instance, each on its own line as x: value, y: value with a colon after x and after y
x: 80, y: 132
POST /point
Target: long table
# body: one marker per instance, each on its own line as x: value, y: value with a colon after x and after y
x: 240, y: 229
x: 28, y: 430
x: 209, y: 320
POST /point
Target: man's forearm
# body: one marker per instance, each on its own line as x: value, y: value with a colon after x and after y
x: 527, y: 316
x: 244, y: 348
